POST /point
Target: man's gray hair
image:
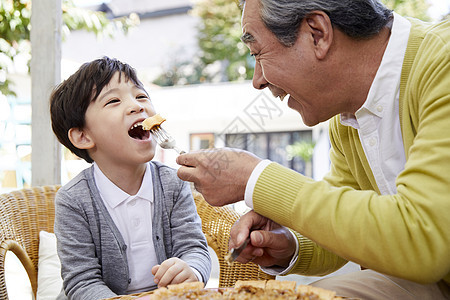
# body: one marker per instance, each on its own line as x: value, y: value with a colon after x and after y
x: 358, y: 19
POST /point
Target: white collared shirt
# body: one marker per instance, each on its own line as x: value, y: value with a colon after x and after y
x: 377, y: 121
x: 132, y: 215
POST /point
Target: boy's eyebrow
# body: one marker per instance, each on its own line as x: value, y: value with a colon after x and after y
x: 108, y: 92
x: 142, y: 89
x: 113, y: 90
x: 248, y: 38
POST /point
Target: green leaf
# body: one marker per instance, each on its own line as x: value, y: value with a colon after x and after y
x: 15, y: 30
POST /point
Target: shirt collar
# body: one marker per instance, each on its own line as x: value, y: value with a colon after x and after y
x: 114, y: 196
x: 386, y: 83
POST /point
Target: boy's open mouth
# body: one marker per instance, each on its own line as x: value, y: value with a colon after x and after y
x: 136, y: 132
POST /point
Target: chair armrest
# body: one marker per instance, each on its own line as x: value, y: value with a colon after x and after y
x: 11, y: 245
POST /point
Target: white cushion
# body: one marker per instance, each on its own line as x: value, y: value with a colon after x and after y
x: 17, y: 283
x: 49, y: 268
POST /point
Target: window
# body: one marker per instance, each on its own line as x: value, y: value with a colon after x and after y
x: 201, y: 141
x: 272, y: 145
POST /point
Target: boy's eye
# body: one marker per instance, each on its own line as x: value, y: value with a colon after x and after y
x: 112, y: 101
x: 142, y: 97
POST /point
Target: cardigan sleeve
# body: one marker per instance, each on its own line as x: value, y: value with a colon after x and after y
x: 406, y: 234
x: 189, y: 242
x: 80, y: 266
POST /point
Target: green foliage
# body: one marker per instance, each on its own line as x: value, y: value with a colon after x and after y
x: 15, y: 31
x: 14, y: 28
x: 411, y: 8
x: 181, y: 73
x: 303, y: 149
x: 75, y: 18
x: 219, y: 38
x: 222, y: 56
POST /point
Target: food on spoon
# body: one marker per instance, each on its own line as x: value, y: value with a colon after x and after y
x: 152, y: 122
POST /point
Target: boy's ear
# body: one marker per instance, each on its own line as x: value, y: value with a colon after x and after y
x: 80, y: 139
x: 321, y: 30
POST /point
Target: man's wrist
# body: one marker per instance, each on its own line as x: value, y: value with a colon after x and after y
x: 278, y: 270
x: 250, y: 187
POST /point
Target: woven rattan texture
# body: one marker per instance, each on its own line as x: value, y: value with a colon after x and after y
x: 216, y: 225
x: 24, y: 213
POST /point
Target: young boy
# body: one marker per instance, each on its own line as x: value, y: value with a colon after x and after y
x: 124, y: 225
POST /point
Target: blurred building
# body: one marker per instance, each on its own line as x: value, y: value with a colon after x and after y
x: 198, y: 116
x: 166, y: 33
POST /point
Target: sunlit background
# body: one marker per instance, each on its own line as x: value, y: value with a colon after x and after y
x: 197, y: 72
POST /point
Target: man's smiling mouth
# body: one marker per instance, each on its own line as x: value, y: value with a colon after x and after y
x: 137, y: 132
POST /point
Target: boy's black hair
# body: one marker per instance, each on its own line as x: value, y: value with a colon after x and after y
x: 70, y: 99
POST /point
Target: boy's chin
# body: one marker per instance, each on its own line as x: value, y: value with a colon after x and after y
x: 152, y: 154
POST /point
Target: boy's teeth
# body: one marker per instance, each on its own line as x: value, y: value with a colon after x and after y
x: 136, y: 125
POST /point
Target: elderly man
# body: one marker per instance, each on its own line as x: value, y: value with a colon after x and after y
x: 384, y: 82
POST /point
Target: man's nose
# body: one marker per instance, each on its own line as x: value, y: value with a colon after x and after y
x: 259, y: 82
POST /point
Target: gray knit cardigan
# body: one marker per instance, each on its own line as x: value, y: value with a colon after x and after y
x: 92, y: 250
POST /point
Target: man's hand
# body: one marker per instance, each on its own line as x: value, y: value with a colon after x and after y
x: 173, y: 271
x: 221, y: 175
x: 270, y: 243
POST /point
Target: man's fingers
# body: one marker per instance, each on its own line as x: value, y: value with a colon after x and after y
x: 268, y: 239
x: 187, y: 174
x: 257, y: 239
x: 184, y: 160
x: 242, y: 228
x: 240, y: 231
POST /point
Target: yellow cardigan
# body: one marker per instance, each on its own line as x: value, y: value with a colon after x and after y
x: 405, y: 235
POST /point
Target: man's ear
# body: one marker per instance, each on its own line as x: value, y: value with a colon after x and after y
x: 80, y: 139
x: 321, y: 31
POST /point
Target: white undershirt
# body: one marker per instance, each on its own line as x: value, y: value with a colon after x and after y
x: 133, y: 217
x: 377, y: 122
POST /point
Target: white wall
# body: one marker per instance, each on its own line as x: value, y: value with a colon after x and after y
x: 148, y: 47
x: 127, y: 6
x: 225, y: 108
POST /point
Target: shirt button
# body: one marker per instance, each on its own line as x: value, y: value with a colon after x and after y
x: 136, y: 222
x: 380, y: 108
x: 133, y: 202
x: 372, y: 142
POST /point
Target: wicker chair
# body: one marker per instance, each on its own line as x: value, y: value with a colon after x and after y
x: 24, y: 213
x: 216, y: 225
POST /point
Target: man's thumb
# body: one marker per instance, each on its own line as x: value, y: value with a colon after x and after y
x: 262, y: 238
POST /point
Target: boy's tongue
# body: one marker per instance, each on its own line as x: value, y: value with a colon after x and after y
x: 138, y: 133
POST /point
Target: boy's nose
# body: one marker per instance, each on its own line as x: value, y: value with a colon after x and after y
x: 135, y: 110
x: 135, y: 107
